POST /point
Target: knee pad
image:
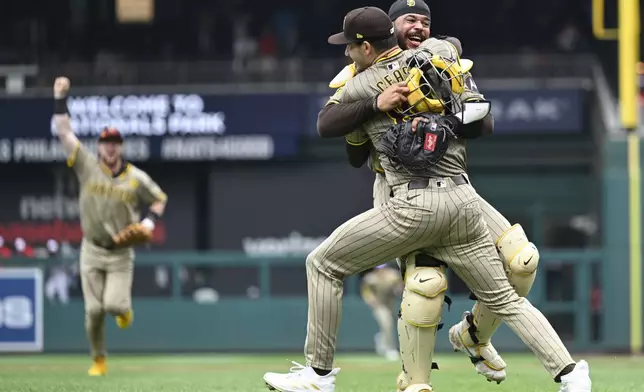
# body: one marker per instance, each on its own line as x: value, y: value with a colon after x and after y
x: 520, y: 257
x: 423, y: 296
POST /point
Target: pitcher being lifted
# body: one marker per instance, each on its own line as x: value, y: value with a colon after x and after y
x: 111, y: 194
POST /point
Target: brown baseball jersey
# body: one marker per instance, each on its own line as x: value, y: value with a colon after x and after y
x: 109, y: 203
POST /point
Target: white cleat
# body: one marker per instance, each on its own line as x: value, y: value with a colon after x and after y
x: 392, y: 355
x: 419, y: 388
x: 578, y: 380
x: 301, y: 379
x: 484, y: 357
x: 403, y: 385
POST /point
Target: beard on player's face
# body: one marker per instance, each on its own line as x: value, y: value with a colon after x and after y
x: 411, y: 30
x: 110, y: 153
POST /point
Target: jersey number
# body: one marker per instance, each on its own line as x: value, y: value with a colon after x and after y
x: 16, y: 312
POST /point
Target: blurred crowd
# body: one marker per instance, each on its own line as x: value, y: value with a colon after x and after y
x: 37, y: 31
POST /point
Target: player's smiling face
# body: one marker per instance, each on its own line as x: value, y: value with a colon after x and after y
x: 411, y: 30
x: 110, y: 152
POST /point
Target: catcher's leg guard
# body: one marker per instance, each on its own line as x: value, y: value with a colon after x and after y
x: 420, y: 314
x: 474, y: 332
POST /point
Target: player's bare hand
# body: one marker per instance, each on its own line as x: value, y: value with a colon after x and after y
x: 61, y: 87
x: 393, y: 96
x: 416, y: 121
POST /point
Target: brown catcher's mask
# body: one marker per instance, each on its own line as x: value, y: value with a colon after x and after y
x: 435, y: 83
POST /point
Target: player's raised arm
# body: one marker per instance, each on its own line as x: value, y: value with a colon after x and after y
x: 61, y: 117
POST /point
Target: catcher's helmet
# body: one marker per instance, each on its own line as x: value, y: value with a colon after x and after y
x: 435, y: 83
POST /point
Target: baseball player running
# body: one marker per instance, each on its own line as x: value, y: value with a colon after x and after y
x: 438, y: 212
x: 381, y: 288
x: 110, y: 197
x: 412, y: 19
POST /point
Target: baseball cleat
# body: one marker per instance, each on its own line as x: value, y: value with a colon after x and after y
x: 125, y: 320
x: 402, y: 383
x: 301, y: 379
x: 419, y: 388
x: 578, y: 380
x: 484, y: 357
x: 392, y: 355
x: 98, y: 368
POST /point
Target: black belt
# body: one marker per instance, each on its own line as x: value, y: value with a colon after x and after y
x: 102, y: 245
x: 458, y: 179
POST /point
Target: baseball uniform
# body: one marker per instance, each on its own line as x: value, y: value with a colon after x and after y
x: 439, y: 213
x: 108, y: 203
x: 380, y: 288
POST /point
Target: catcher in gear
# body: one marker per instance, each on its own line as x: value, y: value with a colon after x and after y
x: 112, y: 192
x: 412, y: 20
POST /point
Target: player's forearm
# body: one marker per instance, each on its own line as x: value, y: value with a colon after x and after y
x: 339, y: 119
x: 65, y: 133
x: 155, y: 212
x: 158, y: 208
x: 62, y: 122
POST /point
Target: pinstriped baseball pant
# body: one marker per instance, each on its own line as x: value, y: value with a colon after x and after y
x: 446, y: 221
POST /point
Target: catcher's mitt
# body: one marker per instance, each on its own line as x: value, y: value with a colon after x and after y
x: 418, y: 151
x: 134, y: 234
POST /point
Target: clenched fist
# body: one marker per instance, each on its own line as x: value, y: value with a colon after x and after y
x: 393, y: 96
x: 61, y: 87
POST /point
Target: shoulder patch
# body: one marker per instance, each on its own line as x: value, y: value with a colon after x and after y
x: 343, y: 77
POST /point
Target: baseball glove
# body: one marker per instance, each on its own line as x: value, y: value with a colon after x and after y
x: 418, y: 151
x: 131, y: 235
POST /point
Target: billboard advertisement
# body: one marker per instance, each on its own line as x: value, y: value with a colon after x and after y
x: 282, y: 209
x: 516, y: 111
x: 21, y: 310
x: 169, y: 127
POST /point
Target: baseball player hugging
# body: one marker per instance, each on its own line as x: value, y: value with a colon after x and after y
x: 433, y: 220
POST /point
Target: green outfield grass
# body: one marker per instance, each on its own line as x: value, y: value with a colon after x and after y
x: 243, y: 373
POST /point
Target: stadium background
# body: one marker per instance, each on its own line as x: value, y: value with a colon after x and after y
x: 218, y: 101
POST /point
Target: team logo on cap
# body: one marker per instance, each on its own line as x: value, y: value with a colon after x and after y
x: 359, y: 36
x: 411, y: 3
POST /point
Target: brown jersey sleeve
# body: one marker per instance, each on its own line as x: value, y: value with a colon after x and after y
x: 338, y: 119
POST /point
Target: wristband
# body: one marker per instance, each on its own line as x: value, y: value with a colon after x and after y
x: 375, y: 104
x: 153, y: 216
x: 60, y: 106
x: 148, y: 224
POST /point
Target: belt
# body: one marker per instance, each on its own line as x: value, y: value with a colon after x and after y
x: 458, y: 179
x: 102, y: 245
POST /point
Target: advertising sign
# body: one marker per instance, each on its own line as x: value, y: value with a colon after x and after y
x: 21, y: 310
x: 172, y: 127
x: 516, y: 111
